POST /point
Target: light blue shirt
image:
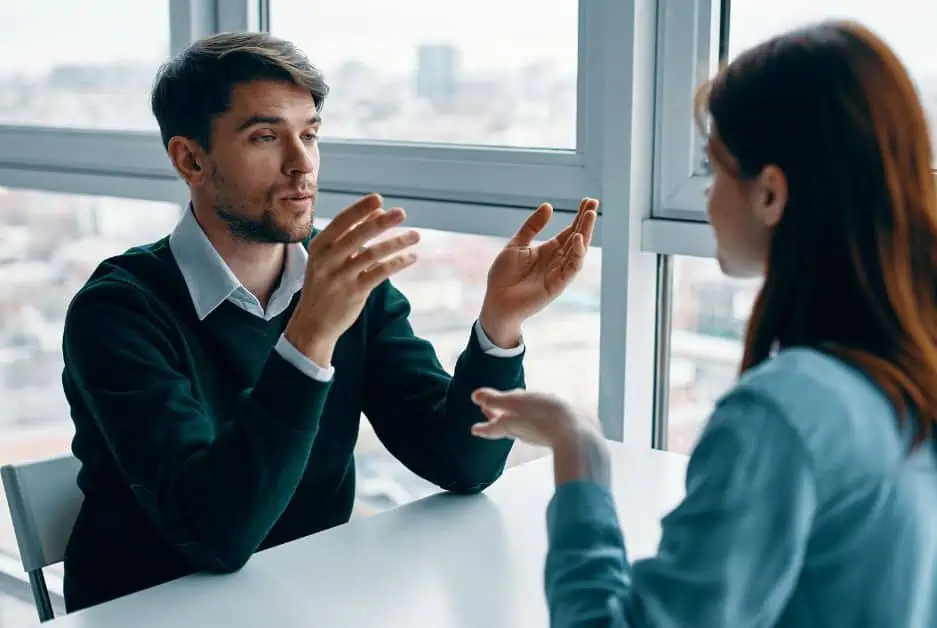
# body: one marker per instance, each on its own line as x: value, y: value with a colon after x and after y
x: 804, y: 507
x: 211, y: 282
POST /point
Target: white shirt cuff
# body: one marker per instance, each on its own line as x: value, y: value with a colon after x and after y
x: 298, y: 359
x: 492, y: 349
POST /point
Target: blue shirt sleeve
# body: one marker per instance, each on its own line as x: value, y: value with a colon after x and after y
x: 730, y: 552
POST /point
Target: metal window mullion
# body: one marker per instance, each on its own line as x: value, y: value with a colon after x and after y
x: 663, y: 329
x: 725, y: 17
x: 263, y: 15
x: 190, y: 20
x: 685, y: 57
x: 621, y: 42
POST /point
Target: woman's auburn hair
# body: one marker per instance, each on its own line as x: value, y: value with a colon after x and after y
x: 852, y: 266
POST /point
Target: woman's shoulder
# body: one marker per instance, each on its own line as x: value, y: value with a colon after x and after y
x: 837, y: 413
x: 801, y: 376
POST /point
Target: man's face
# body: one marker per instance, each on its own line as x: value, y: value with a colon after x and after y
x: 264, y: 162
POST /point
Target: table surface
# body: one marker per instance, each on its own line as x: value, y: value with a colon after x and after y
x: 446, y: 561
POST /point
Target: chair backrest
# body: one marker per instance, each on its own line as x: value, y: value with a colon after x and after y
x: 44, y: 500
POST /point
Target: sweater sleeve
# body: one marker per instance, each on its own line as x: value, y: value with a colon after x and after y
x: 214, y: 486
x: 421, y: 413
x: 730, y: 553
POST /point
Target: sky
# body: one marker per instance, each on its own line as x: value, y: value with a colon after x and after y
x: 907, y: 25
x: 36, y: 34
x: 378, y: 32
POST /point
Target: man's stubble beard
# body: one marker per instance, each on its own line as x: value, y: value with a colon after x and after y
x: 260, y: 230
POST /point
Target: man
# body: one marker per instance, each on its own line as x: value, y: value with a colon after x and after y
x: 217, y: 377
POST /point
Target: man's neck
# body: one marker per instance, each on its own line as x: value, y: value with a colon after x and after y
x: 257, y: 265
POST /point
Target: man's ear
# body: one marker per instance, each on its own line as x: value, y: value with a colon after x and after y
x: 770, y: 195
x: 188, y: 158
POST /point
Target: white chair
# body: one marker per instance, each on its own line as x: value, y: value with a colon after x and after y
x: 44, y: 500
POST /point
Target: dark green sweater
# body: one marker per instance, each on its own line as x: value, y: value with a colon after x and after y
x: 201, y: 445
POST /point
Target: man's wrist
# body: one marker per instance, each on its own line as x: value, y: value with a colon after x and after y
x: 313, y: 343
x: 502, y: 332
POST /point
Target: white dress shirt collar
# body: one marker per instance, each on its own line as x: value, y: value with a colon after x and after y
x: 210, y: 281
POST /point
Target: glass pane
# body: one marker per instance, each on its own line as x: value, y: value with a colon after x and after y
x: 907, y: 26
x: 81, y: 64
x: 49, y: 245
x: 41, y: 268
x: 710, y: 312
x: 445, y: 290
x: 486, y: 72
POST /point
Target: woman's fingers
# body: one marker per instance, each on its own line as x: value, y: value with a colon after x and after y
x: 532, y: 417
x: 495, y: 427
x: 516, y: 401
x: 491, y: 429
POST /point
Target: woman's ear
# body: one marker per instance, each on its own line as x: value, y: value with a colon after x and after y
x: 770, y: 195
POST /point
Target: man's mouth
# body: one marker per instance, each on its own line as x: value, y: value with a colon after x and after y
x: 298, y: 197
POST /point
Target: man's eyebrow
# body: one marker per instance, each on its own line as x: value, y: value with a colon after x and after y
x: 272, y: 121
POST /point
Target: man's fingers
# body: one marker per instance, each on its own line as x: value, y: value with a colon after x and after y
x: 376, y: 273
x: 588, y: 205
x: 365, y: 231
x: 585, y: 217
x: 564, y: 250
x: 587, y: 223
x: 567, y: 231
x: 587, y: 227
x: 575, y: 255
x: 577, y: 221
x: 349, y: 217
x: 533, y: 225
x: 569, y: 264
x: 562, y: 253
x: 577, y: 237
x: 583, y: 222
x: 380, y: 250
x: 585, y: 205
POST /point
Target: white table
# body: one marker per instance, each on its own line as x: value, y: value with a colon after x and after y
x: 445, y: 561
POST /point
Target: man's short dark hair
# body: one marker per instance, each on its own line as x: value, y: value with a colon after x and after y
x: 194, y: 88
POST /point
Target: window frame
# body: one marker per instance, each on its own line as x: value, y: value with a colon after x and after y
x: 615, y: 161
x: 688, y: 50
x: 514, y: 177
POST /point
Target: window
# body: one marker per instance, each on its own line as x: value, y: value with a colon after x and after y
x: 689, y: 48
x: 708, y: 321
x: 486, y: 72
x: 445, y: 289
x: 905, y: 24
x: 81, y: 64
x: 710, y: 310
x: 49, y: 245
x: 54, y: 242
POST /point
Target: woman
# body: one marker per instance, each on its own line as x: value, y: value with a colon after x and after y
x: 812, y: 493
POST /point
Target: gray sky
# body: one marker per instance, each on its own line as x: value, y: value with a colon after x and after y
x: 35, y: 34
x: 909, y: 26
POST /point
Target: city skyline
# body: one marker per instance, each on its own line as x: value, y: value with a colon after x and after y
x: 488, y: 31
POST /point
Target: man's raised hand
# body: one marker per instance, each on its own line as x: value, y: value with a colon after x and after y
x: 342, y: 269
